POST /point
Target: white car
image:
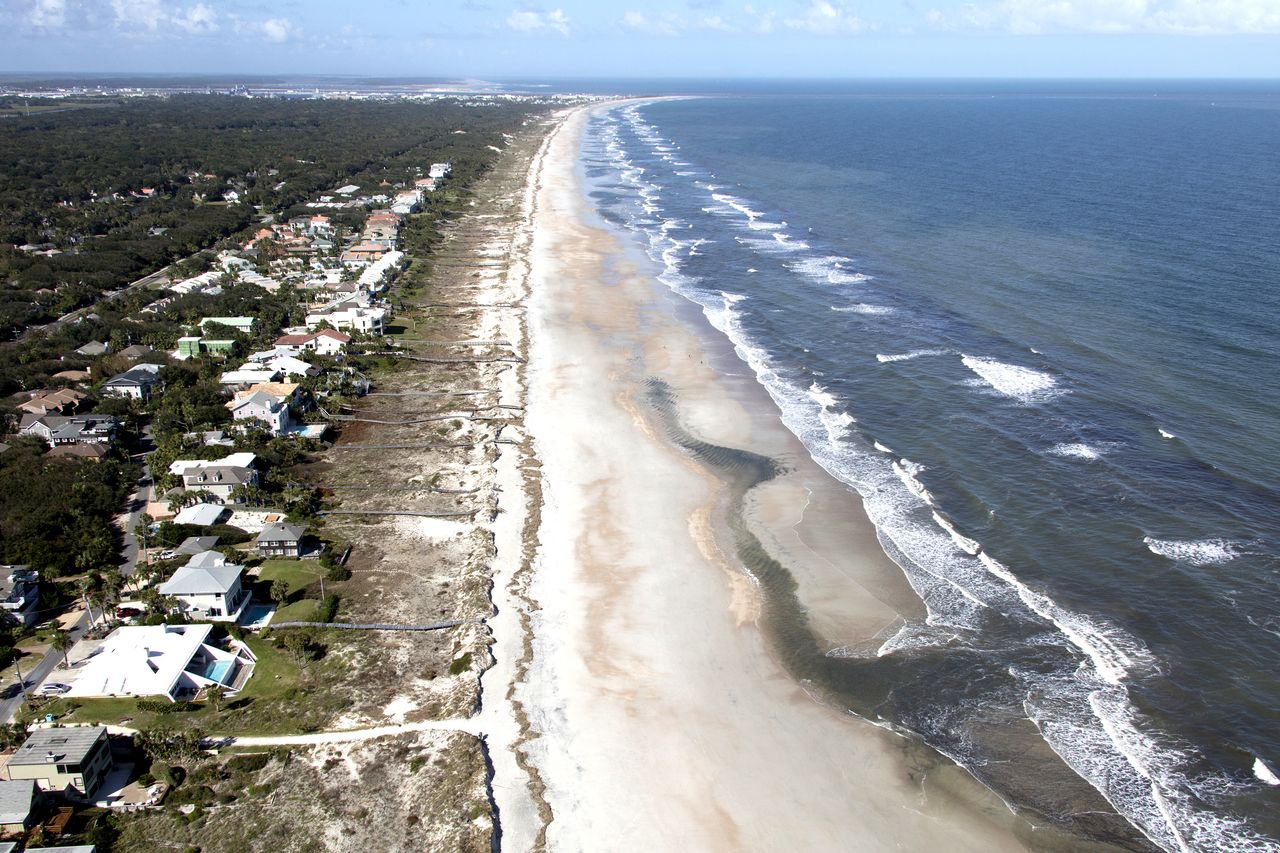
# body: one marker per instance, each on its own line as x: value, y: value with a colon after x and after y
x: 54, y: 688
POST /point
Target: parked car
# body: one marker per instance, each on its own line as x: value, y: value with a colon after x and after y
x: 54, y: 688
x: 127, y: 612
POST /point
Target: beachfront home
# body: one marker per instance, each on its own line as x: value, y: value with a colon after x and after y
x: 208, y: 587
x: 136, y: 382
x: 219, y: 480
x: 249, y: 374
x: 173, y: 661
x: 64, y: 760
x: 351, y: 316
x: 281, y: 539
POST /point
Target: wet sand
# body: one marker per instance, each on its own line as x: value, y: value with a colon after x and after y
x: 660, y: 717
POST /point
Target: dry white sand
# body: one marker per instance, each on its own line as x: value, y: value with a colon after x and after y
x: 662, y: 722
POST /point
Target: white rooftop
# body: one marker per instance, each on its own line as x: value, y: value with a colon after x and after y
x: 201, y: 579
x: 202, y: 515
x: 235, y: 460
x: 146, y: 660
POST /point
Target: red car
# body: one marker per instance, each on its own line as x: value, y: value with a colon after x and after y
x: 127, y: 612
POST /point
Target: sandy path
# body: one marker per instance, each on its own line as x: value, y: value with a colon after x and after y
x: 663, y: 723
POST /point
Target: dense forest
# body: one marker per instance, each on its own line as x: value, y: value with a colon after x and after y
x: 100, y: 197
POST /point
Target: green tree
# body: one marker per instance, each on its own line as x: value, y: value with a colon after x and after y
x: 63, y: 642
x: 279, y: 591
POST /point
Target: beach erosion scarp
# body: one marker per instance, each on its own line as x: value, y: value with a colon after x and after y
x: 659, y: 716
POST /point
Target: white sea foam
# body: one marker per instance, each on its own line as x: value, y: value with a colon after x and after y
x: 878, y: 446
x: 737, y: 205
x: 821, y: 396
x: 1264, y: 773
x: 1197, y: 552
x: 832, y: 269
x: 1080, y: 450
x: 864, y: 308
x: 1165, y: 433
x: 964, y: 543
x: 909, y: 356
x: 916, y: 636
x: 908, y: 472
x: 1113, y: 652
x: 1021, y: 383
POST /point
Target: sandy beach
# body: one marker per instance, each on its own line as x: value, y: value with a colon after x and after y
x: 659, y: 717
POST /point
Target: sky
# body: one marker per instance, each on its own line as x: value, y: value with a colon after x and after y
x: 501, y: 39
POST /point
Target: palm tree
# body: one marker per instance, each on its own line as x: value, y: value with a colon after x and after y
x: 62, y: 642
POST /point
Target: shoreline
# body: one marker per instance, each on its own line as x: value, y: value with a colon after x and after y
x: 650, y: 678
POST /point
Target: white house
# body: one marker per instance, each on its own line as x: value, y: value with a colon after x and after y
x: 136, y: 382
x: 174, y: 661
x: 249, y: 374
x: 208, y: 587
x: 346, y: 315
x: 240, y: 460
x: 263, y: 407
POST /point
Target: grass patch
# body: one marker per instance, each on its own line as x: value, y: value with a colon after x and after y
x: 304, y: 610
x: 298, y: 574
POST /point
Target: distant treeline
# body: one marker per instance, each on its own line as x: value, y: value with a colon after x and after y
x: 75, y: 181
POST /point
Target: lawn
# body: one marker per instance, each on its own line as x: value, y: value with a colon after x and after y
x: 282, y: 697
x: 304, y: 610
x: 298, y: 574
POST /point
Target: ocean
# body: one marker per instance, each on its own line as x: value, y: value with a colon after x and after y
x: 1036, y: 331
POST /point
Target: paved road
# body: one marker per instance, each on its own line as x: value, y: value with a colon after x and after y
x: 137, y: 504
x: 52, y: 658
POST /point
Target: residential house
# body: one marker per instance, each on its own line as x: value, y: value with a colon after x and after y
x: 208, y: 587
x: 322, y: 342
x: 87, y: 452
x: 70, y: 429
x: 19, y: 595
x: 136, y: 382
x: 136, y: 351
x: 249, y: 374
x: 202, y: 515
x: 241, y: 324
x: 259, y: 406
x: 193, y: 545
x: 282, y: 539
x: 206, y: 282
x: 193, y: 346
x: 18, y: 802
x: 439, y: 170
x: 56, y: 402
x: 72, y: 375
x: 179, y: 467
x: 371, y: 276
x: 94, y: 349
x: 173, y: 661
x: 362, y: 254
x: 219, y: 480
x: 71, y: 760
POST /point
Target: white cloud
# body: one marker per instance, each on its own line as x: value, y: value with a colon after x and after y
x: 528, y: 21
x: 673, y: 23
x: 134, y: 14
x: 277, y: 29
x: 827, y: 16
x: 50, y: 14
x: 1031, y: 17
x: 200, y: 18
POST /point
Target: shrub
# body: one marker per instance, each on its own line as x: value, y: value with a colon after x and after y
x: 248, y: 763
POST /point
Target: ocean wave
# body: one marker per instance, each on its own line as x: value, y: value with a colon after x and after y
x: 909, y: 356
x: 831, y: 269
x: 1112, y: 652
x: 1165, y: 433
x: 878, y: 446
x: 737, y: 205
x: 864, y: 308
x: 1263, y: 773
x: 1011, y: 380
x: 1080, y: 450
x: 964, y: 543
x: 915, y: 636
x: 1197, y: 552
